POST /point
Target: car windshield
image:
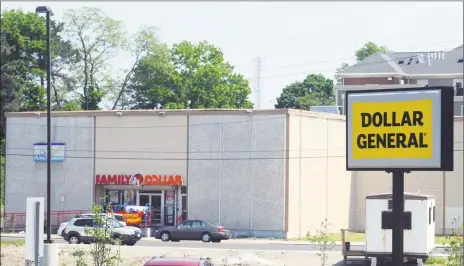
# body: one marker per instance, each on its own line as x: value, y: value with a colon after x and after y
x: 119, y: 218
x: 115, y: 223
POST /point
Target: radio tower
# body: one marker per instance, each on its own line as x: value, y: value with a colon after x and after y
x: 257, y: 89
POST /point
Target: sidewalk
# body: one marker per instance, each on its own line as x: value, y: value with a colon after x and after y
x: 20, y: 236
x: 235, y: 241
x: 246, y: 241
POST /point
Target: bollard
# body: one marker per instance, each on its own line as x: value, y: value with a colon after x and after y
x: 146, y: 232
x: 51, y: 256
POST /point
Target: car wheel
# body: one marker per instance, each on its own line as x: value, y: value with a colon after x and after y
x: 206, y: 237
x: 62, y: 233
x: 130, y: 243
x: 217, y: 241
x: 165, y: 236
x: 175, y: 240
x: 74, y: 239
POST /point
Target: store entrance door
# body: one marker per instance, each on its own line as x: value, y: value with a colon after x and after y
x: 156, y: 201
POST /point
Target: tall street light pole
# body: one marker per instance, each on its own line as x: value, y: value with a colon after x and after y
x: 48, y: 12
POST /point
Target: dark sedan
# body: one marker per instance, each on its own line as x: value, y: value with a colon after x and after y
x: 205, y: 231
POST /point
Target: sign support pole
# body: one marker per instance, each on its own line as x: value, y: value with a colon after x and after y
x: 397, y: 213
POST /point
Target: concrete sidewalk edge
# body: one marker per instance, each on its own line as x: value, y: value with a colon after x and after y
x: 241, y: 240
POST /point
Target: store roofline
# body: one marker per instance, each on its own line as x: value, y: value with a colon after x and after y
x: 178, y: 112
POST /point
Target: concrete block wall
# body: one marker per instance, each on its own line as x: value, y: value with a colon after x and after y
x: 237, y: 171
x: 319, y: 185
x: 71, y: 179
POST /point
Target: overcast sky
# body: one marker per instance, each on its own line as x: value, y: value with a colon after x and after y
x: 292, y: 39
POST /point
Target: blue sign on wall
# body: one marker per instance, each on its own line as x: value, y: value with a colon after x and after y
x: 58, y: 152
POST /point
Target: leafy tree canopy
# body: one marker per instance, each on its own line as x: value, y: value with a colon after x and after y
x: 369, y: 49
x: 188, y: 76
x: 313, y: 90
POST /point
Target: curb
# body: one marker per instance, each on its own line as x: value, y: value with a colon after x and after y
x: 236, y: 241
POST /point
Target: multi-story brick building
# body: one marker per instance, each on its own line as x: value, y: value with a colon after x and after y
x: 407, y: 70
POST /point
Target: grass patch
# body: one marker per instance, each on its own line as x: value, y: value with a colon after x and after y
x: 360, y: 237
x: 12, y: 242
x: 352, y: 237
x: 447, y: 239
x: 435, y: 261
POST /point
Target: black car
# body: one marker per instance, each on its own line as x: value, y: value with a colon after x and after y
x: 205, y: 231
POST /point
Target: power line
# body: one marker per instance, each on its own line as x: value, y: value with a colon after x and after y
x: 341, y: 59
x: 292, y: 74
x: 258, y: 80
x: 192, y: 159
x: 180, y: 152
x: 184, y: 159
x: 358, y: 64
x: 157, y: 126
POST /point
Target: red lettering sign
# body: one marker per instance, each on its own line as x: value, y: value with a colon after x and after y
x: 149, y: 180
x: 134, y: 218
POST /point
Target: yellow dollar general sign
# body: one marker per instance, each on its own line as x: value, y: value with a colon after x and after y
x: 392, y: 129
x: 404, y: 129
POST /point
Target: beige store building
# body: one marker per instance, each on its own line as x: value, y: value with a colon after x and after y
x: 152, y: 147
x: 274, y: 173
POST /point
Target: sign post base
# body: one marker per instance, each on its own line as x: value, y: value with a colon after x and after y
x: 397, y: 214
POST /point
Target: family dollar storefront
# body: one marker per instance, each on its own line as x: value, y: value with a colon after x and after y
x: 158, y: 192
x: 141, y: 160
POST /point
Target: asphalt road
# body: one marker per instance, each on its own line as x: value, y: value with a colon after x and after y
x: 287, y: 247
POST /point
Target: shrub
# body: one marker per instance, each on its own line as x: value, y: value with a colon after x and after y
x: 323, y: 241
x: 455, y: 248
x: 101, y: 251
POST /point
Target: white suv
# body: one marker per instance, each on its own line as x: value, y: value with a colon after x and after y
x: 75, y: 232
x: 116, y: 216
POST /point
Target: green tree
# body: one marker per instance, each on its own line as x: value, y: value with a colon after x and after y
x: 313, y: 90
x: 193, y: 76
x: 25, y: 45
x: 97, y: 39
x: 338, y: 72
x: 142, y: 44
x: 369, y: 49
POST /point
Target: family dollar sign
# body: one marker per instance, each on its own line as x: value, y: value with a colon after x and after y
x: 389, y: 130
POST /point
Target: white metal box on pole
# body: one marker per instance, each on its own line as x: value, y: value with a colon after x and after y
x: 34, y: 228
x: 419, y: 237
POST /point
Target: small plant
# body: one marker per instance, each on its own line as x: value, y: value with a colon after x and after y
x: 455, y: 248
x: 435, y: 261
x: 101, y: 251
x: 80, y: 257
x: 323, y: 240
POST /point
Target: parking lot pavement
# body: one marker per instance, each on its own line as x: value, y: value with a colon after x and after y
x: 234, y: 241
x: 256, y: 244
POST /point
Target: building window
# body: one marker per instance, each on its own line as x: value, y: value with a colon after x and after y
x: 458, y: 90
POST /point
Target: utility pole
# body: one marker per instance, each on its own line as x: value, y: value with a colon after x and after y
x: 257, y: 61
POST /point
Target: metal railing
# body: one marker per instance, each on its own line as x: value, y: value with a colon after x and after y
x: 16, y: 221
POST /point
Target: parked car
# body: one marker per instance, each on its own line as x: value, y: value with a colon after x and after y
x: 205, y: 231
x: 178, y: 262
x: 116, y: 216
x: 75, y: 232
